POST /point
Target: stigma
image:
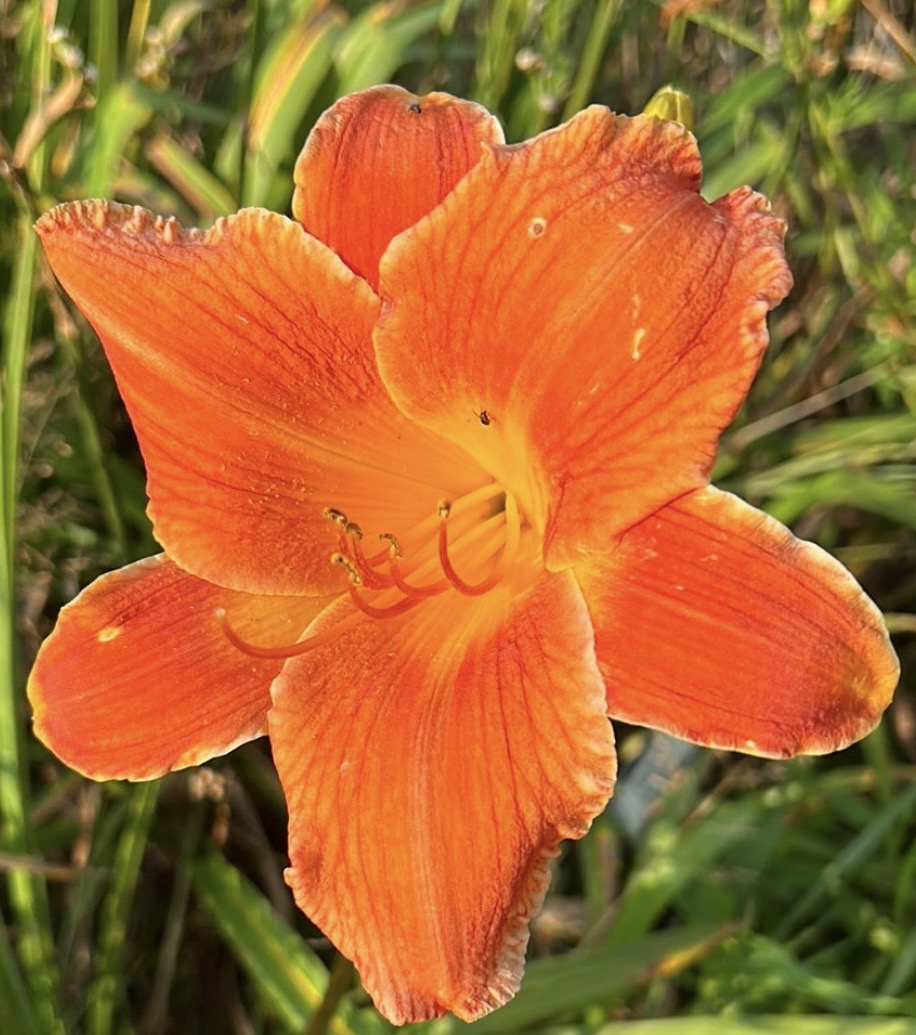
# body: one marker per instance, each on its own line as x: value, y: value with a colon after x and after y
x: 466, y: 546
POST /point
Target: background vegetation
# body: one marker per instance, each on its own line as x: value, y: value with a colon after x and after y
x: 780, y: 897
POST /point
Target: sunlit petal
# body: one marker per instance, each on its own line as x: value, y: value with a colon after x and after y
x: 431, y: 764
x: 244, y: 358
x: 379, y: 160
x: 579, y: 289
x: 138, y: 677
x: 715, y: 623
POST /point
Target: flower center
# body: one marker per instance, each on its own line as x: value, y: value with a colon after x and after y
x: 468, y: 546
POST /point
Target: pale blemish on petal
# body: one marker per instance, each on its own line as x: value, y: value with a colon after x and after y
x: 537, y: 226
x: 639, y: 332
x: 625, y: 228
x: 109, y: 633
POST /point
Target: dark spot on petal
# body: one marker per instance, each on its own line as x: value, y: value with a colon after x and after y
x: 415, y: 108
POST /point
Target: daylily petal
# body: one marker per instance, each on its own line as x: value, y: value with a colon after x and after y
x: 579, y: 289
x: 431, y: 764
x: 713, y: 622
x: 244, y: 357
x: 138, y: 677
x: 379, y: 160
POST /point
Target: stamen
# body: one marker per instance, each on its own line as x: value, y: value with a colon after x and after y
x: 352, y: 570
x: 394, y: 547
x: 365, y: 571
x: 413, y: 591
x: 391, y: 611
x: 290, y: 650
x: 372, y: 578
x: 351, y: 555
x: 427, y: 527
x: 513, y: 534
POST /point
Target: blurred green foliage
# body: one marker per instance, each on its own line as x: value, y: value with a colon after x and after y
x: 769, y: 895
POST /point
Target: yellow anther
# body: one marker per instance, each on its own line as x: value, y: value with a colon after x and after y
x: 352, y: 570
x: 394, y: 547
x: 336, y: 515
x: 443, y: 508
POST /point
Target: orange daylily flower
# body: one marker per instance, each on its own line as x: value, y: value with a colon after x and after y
x: 430, y: 468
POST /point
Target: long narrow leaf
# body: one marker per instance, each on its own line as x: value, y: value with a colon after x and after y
x: 288, y: 975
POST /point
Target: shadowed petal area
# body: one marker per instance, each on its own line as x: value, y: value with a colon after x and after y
x: 609, y: 320
x: 713, y: 622
x: 379, y: 160
x: 138, y: 677
x: 431, y: 764
x: 244, y: 357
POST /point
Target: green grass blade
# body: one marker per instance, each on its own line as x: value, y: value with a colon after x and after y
x: 555, y: 986
x: 498, y: 47
x: 120, y: 115
x: 139, y: 21
x: 203, y: 191
x: 605, y: 16
x: 763, y: 1025
x: 287, y: 974
x: 17, y: 332
x: 673, y: 859
x: 16, y: 1011
x: 858, y: 851
x: 377, y: 42
x: 27, y: 892
x: 286, y: 84
x: 889, y: 493
x: 103, y: 43
x: 107, y: 989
